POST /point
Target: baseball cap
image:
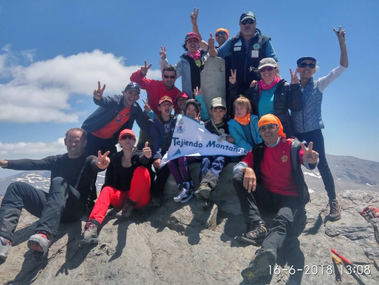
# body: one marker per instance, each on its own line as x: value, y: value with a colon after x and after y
x: 126, y: 132
x: 247, y: 15
x: 192, y: 35
x: 301, y: 59
x: 218, y: 102
x: 133, y: 86
x: 267, y: 61
x: 164, y: 99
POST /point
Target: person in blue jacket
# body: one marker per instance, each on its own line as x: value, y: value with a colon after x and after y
x: 114, y: 114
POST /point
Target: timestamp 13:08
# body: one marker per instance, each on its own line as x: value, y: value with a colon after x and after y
x: 322, y: 269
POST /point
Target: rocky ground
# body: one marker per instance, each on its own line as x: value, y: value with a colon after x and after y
x: 177, y: 244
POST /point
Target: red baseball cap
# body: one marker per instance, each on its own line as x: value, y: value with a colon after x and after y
x: 126, y: 132
x: 164, y: 99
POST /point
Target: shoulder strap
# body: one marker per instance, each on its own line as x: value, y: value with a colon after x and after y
x: 295, y: 148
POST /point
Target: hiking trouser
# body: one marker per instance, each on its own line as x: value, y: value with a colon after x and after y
x: 179, y: 169
x: 159, y: 182
x: 285, y: 208
x: 139, y: 193
x: 62, y: 202
x: 318, y: 145
x: 211, y: 167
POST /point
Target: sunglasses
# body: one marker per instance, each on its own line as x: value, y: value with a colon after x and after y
x: 304, y: 65
x: 220, y: 33
x: 169, y: 76
x: 218, y: 109
x: 129, y: 137
x: 267, y: 127
x: 266, y: 68
x: 247, y: 21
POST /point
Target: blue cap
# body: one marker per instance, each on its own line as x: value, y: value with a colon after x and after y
x: 133, y: 86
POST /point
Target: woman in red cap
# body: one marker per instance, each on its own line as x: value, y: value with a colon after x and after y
x: 126, y: 186
x: 190, y: 63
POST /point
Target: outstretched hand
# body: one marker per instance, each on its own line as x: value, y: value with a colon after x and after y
x: 163, y: 53
x: 233, y: 76
x: 147, y: 150
x: 103, y: 160
x: 98, y: 93
x: 294, y: 78
x: 3, y: 163
x: 211, y: 41
x: 340, y: 34
x: 310, y: 156
x: 194, y: 15
x: 145, y: 68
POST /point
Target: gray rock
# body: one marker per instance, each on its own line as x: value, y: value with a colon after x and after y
x: 172, y: 245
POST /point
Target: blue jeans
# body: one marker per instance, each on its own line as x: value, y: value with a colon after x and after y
x: 61, y: 203
x: 318, y: 145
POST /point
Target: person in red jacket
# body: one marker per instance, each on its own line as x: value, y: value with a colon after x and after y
x: 156, y: 89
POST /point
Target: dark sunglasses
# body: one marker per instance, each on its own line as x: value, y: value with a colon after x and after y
x: 129, y: 137
x: 220, y: 33
x: 266, y: 68
x: 267, y: 127
x: 247, y: 21
x: 168, y: 76
x: 304, y: 65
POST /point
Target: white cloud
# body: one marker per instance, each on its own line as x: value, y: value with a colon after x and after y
x: 31, y: 149
x: 40, y: 91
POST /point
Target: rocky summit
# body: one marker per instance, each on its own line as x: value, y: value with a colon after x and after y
x: 187, y: 244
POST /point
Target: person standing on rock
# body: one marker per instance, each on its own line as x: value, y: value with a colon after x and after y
x: 270, y: 177
x: 126, y: 185
x: 72, y: 176
x: 308, y: 123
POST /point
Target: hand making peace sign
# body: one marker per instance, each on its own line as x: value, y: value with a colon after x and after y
x: 233, y: 76
x: 98, y: 93
x: 294, y: 78
x: 145, y: 68
x: 103, y: 160
x: 310, y: 156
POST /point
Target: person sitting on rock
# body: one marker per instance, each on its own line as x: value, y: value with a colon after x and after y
x: 114, y: 114
x: 72, y: 176
x: 179, y: 167
x: 211, y: 166
x: 126, y: 185
x: 244, y: 126
x: 161, y: 133
x: 270, y: 177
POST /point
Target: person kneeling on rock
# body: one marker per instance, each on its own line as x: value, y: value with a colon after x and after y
x: 126, y: 186
x: 270, y: 177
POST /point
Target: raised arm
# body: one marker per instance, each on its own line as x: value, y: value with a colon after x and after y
x: 341, y: 40
x: 195, y: 28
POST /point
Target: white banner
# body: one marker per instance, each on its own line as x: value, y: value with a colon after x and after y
x: 191, y: 138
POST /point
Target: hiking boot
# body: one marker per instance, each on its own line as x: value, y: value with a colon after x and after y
x: 261, y: 266
x: 204, y: 191
x: 39, y: 242
x: 335, y: 210
x: 5, y: 245
x: 255, y: 236
x: 184, y: 196
x: 90, y: 233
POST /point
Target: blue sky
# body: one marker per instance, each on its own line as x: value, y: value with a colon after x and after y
x: 52, y: 53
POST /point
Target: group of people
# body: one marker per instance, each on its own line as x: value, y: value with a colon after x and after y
x: 260, y: 112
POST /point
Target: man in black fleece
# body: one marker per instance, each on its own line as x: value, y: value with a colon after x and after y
x: 73, y: 176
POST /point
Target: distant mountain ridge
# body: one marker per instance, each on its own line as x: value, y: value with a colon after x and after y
x: 350, y: 173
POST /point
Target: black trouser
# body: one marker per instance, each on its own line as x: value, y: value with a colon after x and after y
x: 159, y: 182
x: 318, y: 145
x: 285, y: 208
x: 61, y: 203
